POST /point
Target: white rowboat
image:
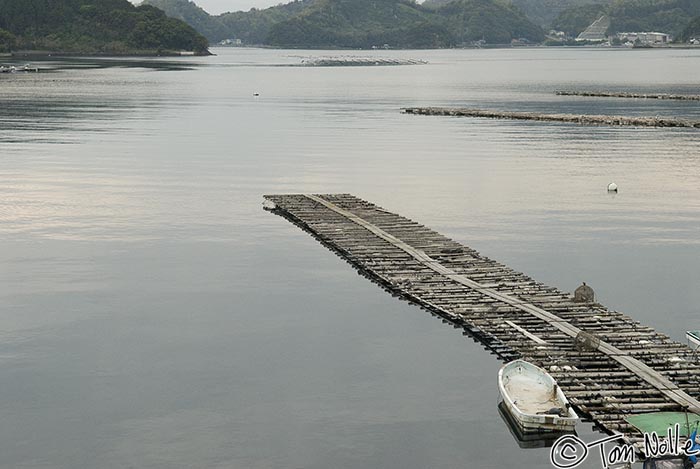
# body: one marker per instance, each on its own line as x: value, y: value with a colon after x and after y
x: 534, y: 399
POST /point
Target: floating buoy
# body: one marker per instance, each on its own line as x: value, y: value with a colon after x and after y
x: 612, y: 187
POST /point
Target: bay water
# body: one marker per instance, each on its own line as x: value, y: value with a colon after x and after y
x: 152, y: 315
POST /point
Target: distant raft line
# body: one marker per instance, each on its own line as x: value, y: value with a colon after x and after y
x: 606, y: 94
x: 358, y: 62
x: 566, y: 118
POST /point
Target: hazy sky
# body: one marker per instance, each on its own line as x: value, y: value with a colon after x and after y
x: 220, y: 6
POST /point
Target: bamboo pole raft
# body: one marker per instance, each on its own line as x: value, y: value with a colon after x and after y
x: 346, y: 61
x: 610, y: 94
x: 609, y: 365
x: 566, y: 118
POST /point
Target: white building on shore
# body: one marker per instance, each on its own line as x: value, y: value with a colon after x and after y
x: 646, y: 38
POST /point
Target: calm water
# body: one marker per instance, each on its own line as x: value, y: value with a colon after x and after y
x: 152, y: 315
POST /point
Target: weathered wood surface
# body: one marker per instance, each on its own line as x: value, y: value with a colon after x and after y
x: 611, y: 94
x: 358, y: 62
x: 566, y: 118
x: 634, y: 369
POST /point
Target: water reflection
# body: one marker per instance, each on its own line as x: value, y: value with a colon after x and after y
x: 77, y: 98
x: 667, y: 464
x: 528, y: 440
x: 55, y: 64
x: 154, y: 316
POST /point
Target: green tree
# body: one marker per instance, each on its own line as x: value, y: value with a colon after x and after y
x: 8, y: 41
x: 691, y: 31
x: 668, y: 16
x: 95, y: 26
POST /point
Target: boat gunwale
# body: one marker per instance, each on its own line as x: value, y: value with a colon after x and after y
x: 537, y: 421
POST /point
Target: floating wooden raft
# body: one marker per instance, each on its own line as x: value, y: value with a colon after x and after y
x: 358, y: 61
x: 611, y: 94
x: 583, y: 119
x: 609, y: 365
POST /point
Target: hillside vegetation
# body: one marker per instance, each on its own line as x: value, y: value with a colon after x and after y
x: 668, y: 16
x: 574, y: 20
x: 252, y: 27
x: 544, y: 12
x: 493, y: 22
x: 365, y: 23
x: 93, y: 26
x: 692, y: 31
x: 541, y: 12
x: 361, y: 24
x: 207, y: 25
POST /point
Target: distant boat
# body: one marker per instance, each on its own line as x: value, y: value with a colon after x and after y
x: 534, y: 399
x: 13, y: 69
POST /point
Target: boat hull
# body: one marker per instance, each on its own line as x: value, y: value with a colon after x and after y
x: 529, y: 439
x: 534, y: 399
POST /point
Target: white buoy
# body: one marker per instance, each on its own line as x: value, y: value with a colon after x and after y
x: 612, y: 187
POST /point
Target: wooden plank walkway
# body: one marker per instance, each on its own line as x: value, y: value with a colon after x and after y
x: 625, y: 368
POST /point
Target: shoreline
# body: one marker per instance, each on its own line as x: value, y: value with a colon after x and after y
x: 487, y: 46
x: 43, y: 54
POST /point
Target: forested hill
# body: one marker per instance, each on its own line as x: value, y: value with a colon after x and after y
x: 573, y: 16
x: 364, y: 23
x: 692, y: 31
x: 540, y: 12
x: 209, y: 26
x: 668, y: 16
x: 361, y: 24
x: 93, y: 27
x: 252, y: 27
x: 544, y: 12
x: 494, y: 22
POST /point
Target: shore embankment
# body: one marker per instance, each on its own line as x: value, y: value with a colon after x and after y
x: 566, y: 118
x: 46, y: 54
